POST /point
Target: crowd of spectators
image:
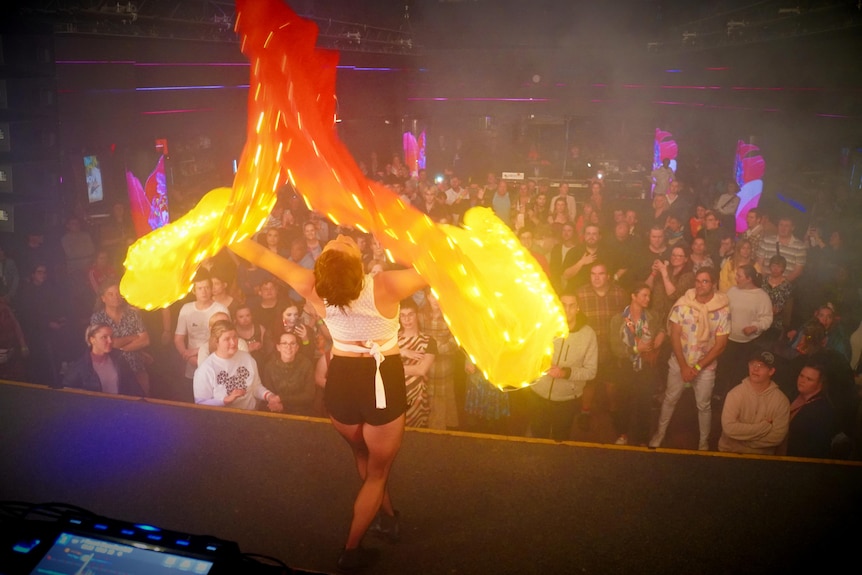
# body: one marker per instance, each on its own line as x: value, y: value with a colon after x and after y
x: 779, y: 310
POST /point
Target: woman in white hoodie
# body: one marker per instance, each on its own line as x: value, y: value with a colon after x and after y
x: 750, y: 316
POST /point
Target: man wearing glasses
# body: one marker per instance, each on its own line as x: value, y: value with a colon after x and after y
x: 699, y: 328
x: 290, y: 376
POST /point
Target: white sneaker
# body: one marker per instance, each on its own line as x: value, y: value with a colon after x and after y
x: 655, y: 442
x: 703, y: 446
x: 622, y: 440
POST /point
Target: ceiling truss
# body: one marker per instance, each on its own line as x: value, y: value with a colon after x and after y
x: 211, y: 20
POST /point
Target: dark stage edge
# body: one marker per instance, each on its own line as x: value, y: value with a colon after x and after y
x: 283, y: 486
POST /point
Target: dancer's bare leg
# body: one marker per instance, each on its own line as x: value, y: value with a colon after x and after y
x: 374, y: 448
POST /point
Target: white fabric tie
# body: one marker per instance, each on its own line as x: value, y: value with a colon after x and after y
x: 376, y: 351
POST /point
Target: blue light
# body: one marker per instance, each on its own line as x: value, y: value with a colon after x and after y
x: 164, y: 88
x: 147, y: 528
x: 182, y: 542
x: 26, y: 546
x: 100, y: 527
x: 793, y: 203
x: 368, y: 69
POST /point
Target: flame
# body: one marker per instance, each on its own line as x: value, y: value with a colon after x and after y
x: 291, y: 136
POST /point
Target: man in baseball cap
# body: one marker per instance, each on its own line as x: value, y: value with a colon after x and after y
x: 756, y: 413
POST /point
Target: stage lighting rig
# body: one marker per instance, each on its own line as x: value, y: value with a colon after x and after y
x: 224, y: 22
x: 127, y: 9
x: 736, y: 27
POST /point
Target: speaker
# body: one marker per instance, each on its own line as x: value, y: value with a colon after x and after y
x: 5, y: 137
x: 29, y: 127
x: 28, y: 139
x: 27, y: 97
x: 5, y: 179
x: 32, y: 179
x: 7, y: 217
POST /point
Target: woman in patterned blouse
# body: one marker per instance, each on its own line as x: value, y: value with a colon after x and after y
x: 129, y: 334
x: 780, y: 291
x: 417, y: 352
x: 441, y: 381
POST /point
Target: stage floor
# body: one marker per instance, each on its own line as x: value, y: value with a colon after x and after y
x: 283, y: 486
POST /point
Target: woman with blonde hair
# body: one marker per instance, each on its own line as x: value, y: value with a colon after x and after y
x: 102, y: 368
x: 205, y: 351
x: 129, y: 335
x: 229, y: 377
x: 743, y: 255
x: 660, y: 210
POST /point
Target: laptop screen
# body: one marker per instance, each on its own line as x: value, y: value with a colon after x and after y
x: 81, y: 555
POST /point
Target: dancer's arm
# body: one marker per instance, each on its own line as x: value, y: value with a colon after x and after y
x: 390, y: 287
x: 299, y: 278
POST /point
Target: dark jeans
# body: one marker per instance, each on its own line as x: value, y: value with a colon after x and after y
x: 552, y: 419
x: 636, y: 391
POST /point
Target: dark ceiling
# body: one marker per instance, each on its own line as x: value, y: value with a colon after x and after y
x: 504, y: 49
x: 430, y: 25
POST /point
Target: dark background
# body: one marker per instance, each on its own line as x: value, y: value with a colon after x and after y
x: 487, y: 80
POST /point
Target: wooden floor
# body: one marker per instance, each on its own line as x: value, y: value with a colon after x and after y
x: 283, y: 486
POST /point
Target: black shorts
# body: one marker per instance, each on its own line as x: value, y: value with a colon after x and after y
x: 349, y: 392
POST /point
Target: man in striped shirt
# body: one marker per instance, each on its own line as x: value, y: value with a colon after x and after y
x: 786, y: 244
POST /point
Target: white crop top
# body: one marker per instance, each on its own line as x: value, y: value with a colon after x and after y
x: 361, y: 321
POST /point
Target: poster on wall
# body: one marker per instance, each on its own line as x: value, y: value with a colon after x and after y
x: 748, y: 173
x: 149, y: 201
x: 93, y: 177
x: 664, y: 163
x: 414, y: 152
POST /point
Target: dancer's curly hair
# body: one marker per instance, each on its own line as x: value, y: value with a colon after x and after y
x: 338, y: 278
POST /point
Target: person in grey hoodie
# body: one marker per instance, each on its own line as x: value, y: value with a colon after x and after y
x: 555, y: 395
x: 756, y: 414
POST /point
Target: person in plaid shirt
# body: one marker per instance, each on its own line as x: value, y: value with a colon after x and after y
x: 600, y: 301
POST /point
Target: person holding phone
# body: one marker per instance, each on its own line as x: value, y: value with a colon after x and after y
x: 291, y: 322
